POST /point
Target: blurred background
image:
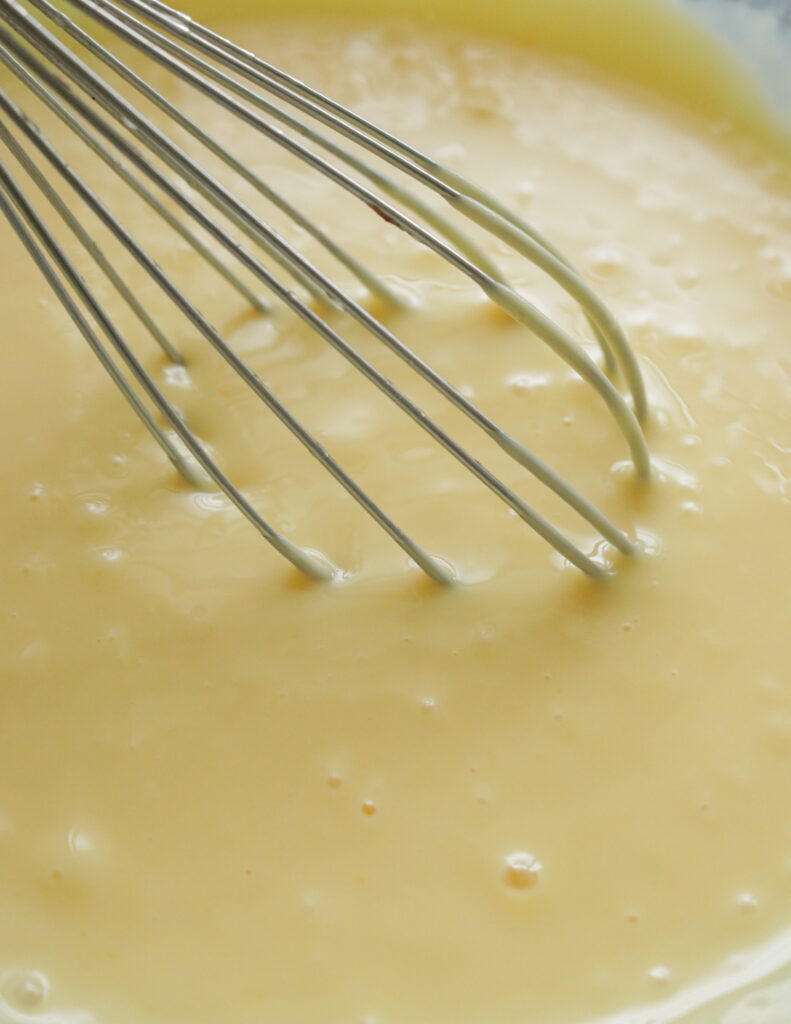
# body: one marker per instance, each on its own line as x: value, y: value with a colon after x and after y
x: 760, y: 32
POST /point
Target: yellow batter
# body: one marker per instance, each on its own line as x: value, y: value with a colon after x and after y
x: 230, y: 795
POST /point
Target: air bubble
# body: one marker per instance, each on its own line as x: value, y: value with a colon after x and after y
x: 747, y: 902
x: 605, y: 261
x: 525, y: 192
x: 25, y: 990
x: 80, y: 842
x: 526, y: 381
x: 211, y: 501
x: 177, y: 377
x: 369, y: 808
x: 522, y: 870
x: 688, y: 278
x: 484, y: 99
x: 95, y: 504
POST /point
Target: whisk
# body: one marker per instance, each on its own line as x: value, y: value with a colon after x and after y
x: 54, y: 57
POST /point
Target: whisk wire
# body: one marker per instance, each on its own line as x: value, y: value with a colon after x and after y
x: 513, y: 447
x: 29, y: 69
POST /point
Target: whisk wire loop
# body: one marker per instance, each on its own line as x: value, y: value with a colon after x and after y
x: 449, y: 184
x: 55, y: 90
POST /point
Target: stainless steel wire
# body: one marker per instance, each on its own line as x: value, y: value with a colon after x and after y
x: 317, y: 131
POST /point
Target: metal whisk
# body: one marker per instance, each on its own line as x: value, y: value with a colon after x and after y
x: 318, y: 131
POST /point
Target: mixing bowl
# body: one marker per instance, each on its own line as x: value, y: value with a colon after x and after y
x: 759, y: 31
x: 757, y: 987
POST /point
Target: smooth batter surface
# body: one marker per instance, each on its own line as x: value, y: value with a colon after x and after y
x: 229, y: 795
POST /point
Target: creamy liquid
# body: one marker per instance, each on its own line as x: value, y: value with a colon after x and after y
x: 228, y: 794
